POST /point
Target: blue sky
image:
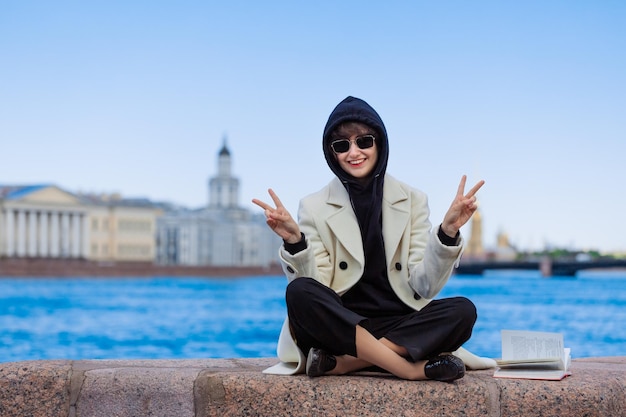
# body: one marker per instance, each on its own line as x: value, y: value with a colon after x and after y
x: 136, y: 97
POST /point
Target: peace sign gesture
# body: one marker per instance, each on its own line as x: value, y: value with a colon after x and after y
x: 279, y: 219
x: 461, y: 209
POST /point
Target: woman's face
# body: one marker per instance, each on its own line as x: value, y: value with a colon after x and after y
x: 356, y: 161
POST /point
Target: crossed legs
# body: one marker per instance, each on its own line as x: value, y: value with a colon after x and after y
x: 399, y: 345
x: 381, y: 353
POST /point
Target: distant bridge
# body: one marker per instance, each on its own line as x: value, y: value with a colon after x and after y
x: 547, y: 267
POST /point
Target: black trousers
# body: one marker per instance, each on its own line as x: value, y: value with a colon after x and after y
x: 319, y: 319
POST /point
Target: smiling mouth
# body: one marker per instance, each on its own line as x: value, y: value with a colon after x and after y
x: 357, y: 162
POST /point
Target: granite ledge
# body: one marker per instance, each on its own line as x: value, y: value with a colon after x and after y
x: 236, y: 387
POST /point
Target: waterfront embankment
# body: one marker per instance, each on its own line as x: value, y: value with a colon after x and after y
x: 237, y: 387
x: 42, y: 267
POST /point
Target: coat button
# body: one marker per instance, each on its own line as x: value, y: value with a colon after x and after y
x: 398, y: 266
x: 290, y: 269
x: 343, y: 265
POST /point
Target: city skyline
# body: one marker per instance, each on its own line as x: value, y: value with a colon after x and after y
x: 137, y: 98
x: 475, y: 244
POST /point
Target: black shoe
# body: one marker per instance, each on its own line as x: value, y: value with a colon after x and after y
x: 444, y: 368
x: 318, y: 362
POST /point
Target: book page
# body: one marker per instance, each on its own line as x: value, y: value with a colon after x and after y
x: 555, y: 375
x: 542, y: 364
x: 528, y: 345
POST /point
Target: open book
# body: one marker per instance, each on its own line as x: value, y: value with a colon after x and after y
x: 533, y: 355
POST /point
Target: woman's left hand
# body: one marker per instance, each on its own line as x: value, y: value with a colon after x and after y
x: 461, y: 209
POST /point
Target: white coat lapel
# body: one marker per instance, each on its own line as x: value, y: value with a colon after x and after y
x: 342, y: 221
x: 396, y: 215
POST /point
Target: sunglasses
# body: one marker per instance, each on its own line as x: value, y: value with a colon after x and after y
x: 343, y: 145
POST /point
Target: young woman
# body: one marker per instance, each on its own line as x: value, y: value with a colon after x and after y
x: 363, y: 264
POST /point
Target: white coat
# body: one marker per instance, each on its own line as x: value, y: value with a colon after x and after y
x: 418, y: 264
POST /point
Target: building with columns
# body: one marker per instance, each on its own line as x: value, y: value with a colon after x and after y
x: 45, y: 221
x: 42, y: 221
x: 220, y: 234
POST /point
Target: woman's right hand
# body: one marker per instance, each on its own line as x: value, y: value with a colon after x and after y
x: 279, y: 219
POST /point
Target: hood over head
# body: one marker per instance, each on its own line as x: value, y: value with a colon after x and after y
x: 353, y: 109
x: 366, y: 197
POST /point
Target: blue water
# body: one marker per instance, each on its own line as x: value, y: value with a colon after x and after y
x: 174, y: 318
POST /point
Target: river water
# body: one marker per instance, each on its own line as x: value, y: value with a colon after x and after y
x: 174, y: 318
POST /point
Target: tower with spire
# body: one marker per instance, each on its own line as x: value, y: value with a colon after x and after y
x: 474, y: 247
x: 224, y: 188
x: 221, y: 233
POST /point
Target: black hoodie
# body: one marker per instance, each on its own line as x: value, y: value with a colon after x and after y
x: 366, y: 198
x: 372, y: 295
